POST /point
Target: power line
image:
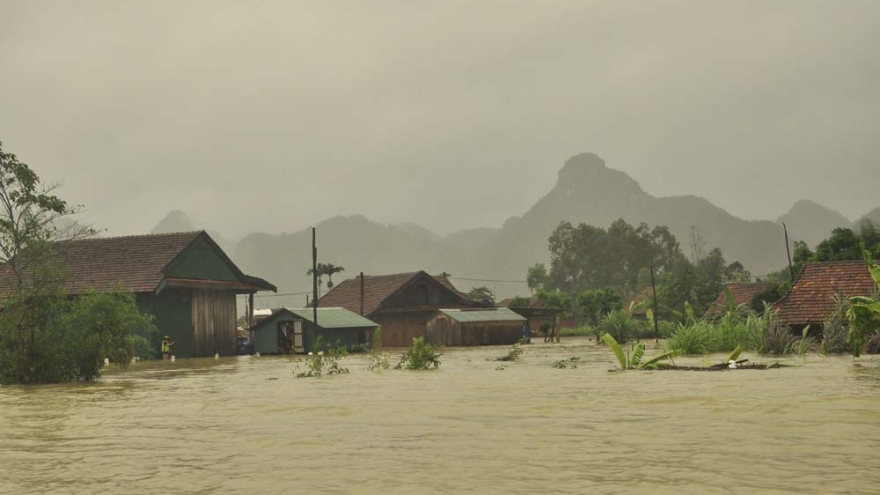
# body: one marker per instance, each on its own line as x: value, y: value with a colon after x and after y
x: 489, y: 280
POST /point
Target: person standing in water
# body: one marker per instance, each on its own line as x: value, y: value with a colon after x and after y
x: 167, y: 343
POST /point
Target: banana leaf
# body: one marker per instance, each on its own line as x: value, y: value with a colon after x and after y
x: 659, y: 357
x: 616, y: 349
x: 735, y: 354
x: 636, y: 357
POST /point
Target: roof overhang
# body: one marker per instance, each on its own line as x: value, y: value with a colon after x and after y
x: 250, y: 285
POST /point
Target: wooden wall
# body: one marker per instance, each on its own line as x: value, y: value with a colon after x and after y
x: 399, y: 329
x: 442, y: 330
x: 213, y: 323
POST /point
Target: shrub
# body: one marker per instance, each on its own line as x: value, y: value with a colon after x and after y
x: 378, y: 359
x: 323, y: 363
x: 513, y: 354
x: 835, y: 329
x: 620, y: 325
x: 73, y: 337
x: 420, y: 356
x: 778, y: 339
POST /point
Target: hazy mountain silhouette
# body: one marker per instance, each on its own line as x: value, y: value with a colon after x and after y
x: 586, y: 192
x: 811, y: 222
x: 178, y: 221
x: 873, y: 216
x: 174, y: 221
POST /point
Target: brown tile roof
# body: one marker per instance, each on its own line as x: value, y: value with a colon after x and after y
x: 811, y: 298
x: 132, y: 263
x: 742, y: 293
x: 377, y: 288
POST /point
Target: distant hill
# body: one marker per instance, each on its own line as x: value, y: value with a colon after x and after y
x: 587, y: 191
x: 178, y: 221
x: 811, y: 222
x: 873, y: 216
x: 174, y: 221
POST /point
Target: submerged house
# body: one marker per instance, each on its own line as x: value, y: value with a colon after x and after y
x: 536, y: 313
x: 293, y: 330
x: 741, y: 293
x: 184, y: 280
x: 811, y: 299
x: 484, y: 326
x: 401, y: 303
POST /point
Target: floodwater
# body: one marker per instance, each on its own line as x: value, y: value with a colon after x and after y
x: 246, y: 425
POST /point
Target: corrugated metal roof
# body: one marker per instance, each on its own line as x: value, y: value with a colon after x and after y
x: 482, y: 315
x: 334, y: 318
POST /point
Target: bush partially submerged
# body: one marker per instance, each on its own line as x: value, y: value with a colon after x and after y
x: 420, y: 356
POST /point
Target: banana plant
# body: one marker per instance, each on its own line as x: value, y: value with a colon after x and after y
x: 634, y: 360
x: 864, y: 312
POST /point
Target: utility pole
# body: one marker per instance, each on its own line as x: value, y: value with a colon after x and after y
x: 788, y: 251
x: 314, y: 281
x: 656, y: 314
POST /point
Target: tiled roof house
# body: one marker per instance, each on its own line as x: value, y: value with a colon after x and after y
x: 742, y: 292
x: 401, y: 303
x: 810, y: 301
x: 184, y: 280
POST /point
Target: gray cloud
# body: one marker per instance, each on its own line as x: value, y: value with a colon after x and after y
x: 274, y: 115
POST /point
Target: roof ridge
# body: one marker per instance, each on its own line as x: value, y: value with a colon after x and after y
x: 136, y: 236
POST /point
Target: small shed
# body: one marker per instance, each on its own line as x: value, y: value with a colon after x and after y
x: 485, y: 326
x: 292, y: 330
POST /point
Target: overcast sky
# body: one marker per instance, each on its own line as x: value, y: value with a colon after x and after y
x: 272, y: 116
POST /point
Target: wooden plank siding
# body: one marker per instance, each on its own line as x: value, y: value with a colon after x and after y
x: 213, y: 322
x: 442, y: 330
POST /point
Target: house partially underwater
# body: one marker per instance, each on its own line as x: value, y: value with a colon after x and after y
x: 184, y: 280
x: 401, y: 303
x: 294, y: 330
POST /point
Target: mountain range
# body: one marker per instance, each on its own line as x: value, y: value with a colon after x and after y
x: 587, y: 191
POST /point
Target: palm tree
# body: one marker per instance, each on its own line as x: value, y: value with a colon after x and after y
x: 320, y: 273
x: 329, y: 269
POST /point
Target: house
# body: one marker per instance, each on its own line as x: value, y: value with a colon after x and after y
x: 535, y: 312
x: 293, y: 330
x: 742, y: 293
x: 401, y: 303
x: 811, y: 299
x: 184, y: 280
x: 483, y: 326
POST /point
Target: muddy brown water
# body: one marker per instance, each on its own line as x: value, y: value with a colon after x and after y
x: 246, y: 425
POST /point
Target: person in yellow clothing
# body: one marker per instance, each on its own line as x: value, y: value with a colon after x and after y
x: 167, y: 343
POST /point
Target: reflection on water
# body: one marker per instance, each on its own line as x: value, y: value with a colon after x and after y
x: 245, y: 425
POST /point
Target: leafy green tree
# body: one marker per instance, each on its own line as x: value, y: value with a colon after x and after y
x: 594, y: 304
x: 587, y: 257
x: 482, y: 295
x: 44, y: 336
x: 520, y: 302
x: 864, y: 312
x: 537, y: 278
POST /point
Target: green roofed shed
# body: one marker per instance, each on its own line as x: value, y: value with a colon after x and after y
x: 465, y: 327
x: 482, y: 315
x: 293, y: 330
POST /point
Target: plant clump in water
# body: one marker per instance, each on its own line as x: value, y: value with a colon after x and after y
x: 421, y: 356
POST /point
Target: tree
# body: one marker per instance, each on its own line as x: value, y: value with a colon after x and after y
x: 327, y: 269
x: 864, y: 312
x: 587, y: 257
x: 34, y: 346
x: 594, y: 304
x: 330, y: 269
x: 537, y: 278
x: 520, y: 302
x: 482, y: 295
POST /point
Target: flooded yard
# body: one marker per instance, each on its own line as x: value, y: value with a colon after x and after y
x: 246, y: 425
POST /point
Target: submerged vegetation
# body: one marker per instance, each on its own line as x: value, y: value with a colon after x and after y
x: 421, y: 356
x: 324, y: 363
